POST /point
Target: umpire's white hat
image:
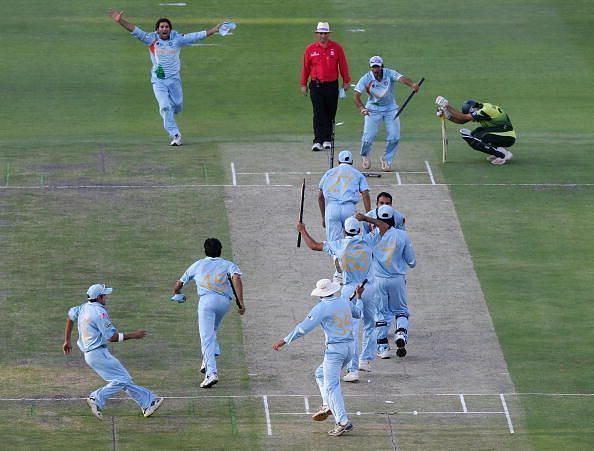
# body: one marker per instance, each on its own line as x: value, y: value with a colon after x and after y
x: 97, y: 290
x: 345, y: 157
x: 323, y: 27
x: 351, y: 225
x: 325, y: 287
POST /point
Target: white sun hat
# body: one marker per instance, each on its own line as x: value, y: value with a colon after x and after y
x: 351, y: 225
x: 325, y: 287
x: 323, y: 27
x: 385, y: 212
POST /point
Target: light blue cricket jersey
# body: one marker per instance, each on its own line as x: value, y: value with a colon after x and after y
x: 165, y: 54
x: 343, y: 184
x: 393, y: 253
x: 381, y: 93
x: 335, y: 315
x: 355, y: 257
x: 210, y: 276
x: 94, y: 326
x: 398, y: 220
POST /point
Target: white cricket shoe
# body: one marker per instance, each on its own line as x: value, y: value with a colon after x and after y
x: 365, y: 163
x: 340, y: 429
x: 400, y: 340
x: 385, y: 354
x: 351, y: 376
x: 365, y: 365
x: 316, y: 147
x: 498, y: 161
x: 209, y: 381
x: 386, y: 167
x: 96, y: 410
x: 491, y: 157
x: 327, y: 145
x: 153, y: 407
x: 508, y: 154
x: 176, y: 140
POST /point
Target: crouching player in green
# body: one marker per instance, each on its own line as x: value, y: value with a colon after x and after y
x: 495, y: 133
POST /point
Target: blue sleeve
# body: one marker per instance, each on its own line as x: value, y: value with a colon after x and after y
x: 409, y: 253
x: 73, y: 313
x: 105, y: 327
x: 360, y: 87
x: 233, y: 269
x: 191, y: 38
x: 313, y: 319
x: 363, y: 186
x: 147, y: 38
x: 189, y: 274
x: 330, y: 247
x: 357, y: 309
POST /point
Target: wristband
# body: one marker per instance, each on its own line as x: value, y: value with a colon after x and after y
x: 121, y: 336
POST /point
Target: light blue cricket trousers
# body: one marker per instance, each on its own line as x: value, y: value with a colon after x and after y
x: 111, y: 370
x: 334, y: 217
x: 336, y: 357
x: 392, y: 299
x: 211, y: 310
x: 370, y: 312
x: 371, y: 127
x: 170, y: 98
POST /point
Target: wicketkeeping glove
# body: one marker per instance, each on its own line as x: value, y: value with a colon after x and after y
x: 441, y: 101
x: 180, y: 297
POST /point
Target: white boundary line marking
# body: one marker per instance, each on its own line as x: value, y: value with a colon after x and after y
x: 507, y: 416
x: 414, y: 412
x: 233, y: 174
x: 398, y: 179
x: 267, y: 179
x: 464, y: 409
x: 267, y: 413
x: 430, y: 172
x: 306, y: 401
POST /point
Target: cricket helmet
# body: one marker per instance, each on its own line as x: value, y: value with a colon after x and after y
x: 470, y: 104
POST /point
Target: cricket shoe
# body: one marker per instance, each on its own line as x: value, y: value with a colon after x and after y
x: 153, y: 407
x: 351, y: 376
x: 340, y: 429
x: 96, y: 410
x: 384, y: 354
x: 365, y: 365
x: 386, y: 167
x: 322, y: 414
x: 327, y: 145
x: 209, y: 381
x: 400, y: 344
x: 498, y: 161
x: 316, y: 147
x: 176, y: 140
x: 365, y: 163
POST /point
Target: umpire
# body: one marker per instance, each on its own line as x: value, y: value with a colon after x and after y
x: 322, y: 62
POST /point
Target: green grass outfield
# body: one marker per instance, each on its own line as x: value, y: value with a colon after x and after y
x: 77, y: 109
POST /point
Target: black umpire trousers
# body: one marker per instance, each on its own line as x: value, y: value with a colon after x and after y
x: 324, y: 99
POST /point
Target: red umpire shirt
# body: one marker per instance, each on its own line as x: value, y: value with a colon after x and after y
x: 323, y: 64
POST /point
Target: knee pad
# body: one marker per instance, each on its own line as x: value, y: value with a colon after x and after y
x: 382, y: 341
x: 402, y: 315
x: 402, y: 329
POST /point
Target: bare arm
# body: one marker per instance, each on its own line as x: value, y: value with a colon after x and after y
x: 322, y: 205
x: 408, y: 82
x: 381, y: 225
x: 178, y: 286
x: 357, y: 98
x: 67, y: 347
x: 366, y: 200
x: 136, y: 335
x: 311, y: 243
x: 238, y: 284
x: 117, y: 16
x: 457, y: 116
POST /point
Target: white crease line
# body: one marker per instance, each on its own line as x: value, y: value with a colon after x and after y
x: 398, y: 179
x: 267, y: 179
x: 233, y: 174
x: 430, y: 172
x: 464, y: 409
x: 306, y: 401
x: 267, y: 412
x: 507, y: 416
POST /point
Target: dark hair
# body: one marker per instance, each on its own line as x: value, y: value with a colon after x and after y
x: 212, y: 247
x: 163, y: 19
x: 383, y: 194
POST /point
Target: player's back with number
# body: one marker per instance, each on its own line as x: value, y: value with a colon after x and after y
x: 343, y: 184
